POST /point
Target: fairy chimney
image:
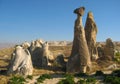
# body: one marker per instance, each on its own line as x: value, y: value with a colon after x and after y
x: 90, y: 33
x: 79, y: 60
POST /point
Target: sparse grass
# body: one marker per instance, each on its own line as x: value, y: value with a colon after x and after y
x: 3, y: 79
x: 7, y: 51
x: 43, y: 77
x: 112, y: 80
x: 117, y: 57
x: 69, y: 79
x: 17, y: 80
x: 89, y: 80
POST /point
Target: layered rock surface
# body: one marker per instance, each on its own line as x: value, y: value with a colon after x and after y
x: 20, y: 62
x: 109, y: 49
x: 90, y: 33
x: 79, y: 60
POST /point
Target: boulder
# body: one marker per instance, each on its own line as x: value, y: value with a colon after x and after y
x: 59, y: 61
x: 90, y: 33
x: 79, y: 60
x: 20, y: 62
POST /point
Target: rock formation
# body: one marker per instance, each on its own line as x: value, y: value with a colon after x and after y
x: 25, y: 45
x: 109, y: 49
x: 90, y: 33
x: 20, y: 62
x: 79, y: 61
x: 59, y: 61
x: 36, y: 52
x: 47, y: 56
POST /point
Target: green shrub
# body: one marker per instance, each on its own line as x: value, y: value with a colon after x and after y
x: 69, y: 79
x: 117, y: 57
x: 99, y: 73
x: 87, y: 81
x: 91, y: 80
x: 17, y: 80
x: 112, y: 80
x: 117, y: 54
x: 30, y: 77
x: 116, y: 73
x: 81, y: 81
x: 43, y: 77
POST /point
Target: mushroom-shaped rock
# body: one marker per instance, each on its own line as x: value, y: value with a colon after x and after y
x: 79, y: 60
x: 20, y: 62
x: 90, y: 33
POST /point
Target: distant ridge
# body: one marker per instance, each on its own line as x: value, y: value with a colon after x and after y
x: 6, y: 45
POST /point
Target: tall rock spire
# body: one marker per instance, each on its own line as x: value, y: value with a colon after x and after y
x: 90, y: 33
x: 79, y: 60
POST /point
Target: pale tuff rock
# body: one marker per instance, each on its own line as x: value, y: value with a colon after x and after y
x: 109, y: 49
x: 36, y: 52
x: 47, y: 56
x: 100, y: 49
x: 79, y: 60
x: 90, y: 33
x: 25, y: 45
x: 41, y: 55
x: 20, y: 62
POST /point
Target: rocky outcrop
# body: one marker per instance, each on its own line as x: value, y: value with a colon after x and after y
x: 109, y: 49
x: 25, y: 45
x: 20, y: 62
x: 36, y: 52
x: 59, y: 61
x: 41, y: 55
x: 47, y: 56
x: 90, y: 33
x: 79, y: 61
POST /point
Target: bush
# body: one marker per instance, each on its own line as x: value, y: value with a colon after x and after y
x: 43, y: 77
x: 99, y: 73
x: 116, y: 73
x: 69, y: 79
x: 112, y: 80
x: 81, y: 81
x: 17, y: 80
x: 91, y: 80
x: 117, y: 54
x: 87, y: 81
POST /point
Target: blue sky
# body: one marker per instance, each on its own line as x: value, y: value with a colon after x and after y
x: 26, y: 20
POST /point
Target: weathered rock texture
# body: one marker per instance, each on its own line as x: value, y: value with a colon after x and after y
x: 20, y: 62
x: 59, y: 61
x: 25, y: 45
x: 41, y: 55
x: 47, y: 56
x: 109, y: 49
x: 36, y: 52
x: 90, y: 33
x: 79, y: 60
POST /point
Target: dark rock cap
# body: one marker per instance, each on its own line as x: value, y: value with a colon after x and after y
x: 79, y: 11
